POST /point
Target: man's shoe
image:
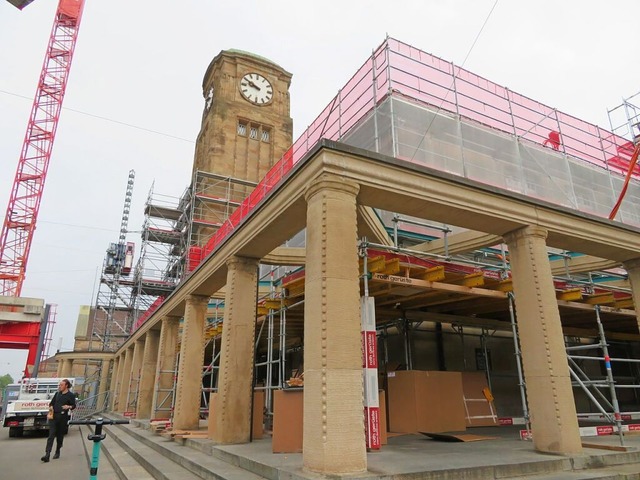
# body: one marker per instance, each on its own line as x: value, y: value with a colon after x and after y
x: 45, y: 458
x: 56, y: 455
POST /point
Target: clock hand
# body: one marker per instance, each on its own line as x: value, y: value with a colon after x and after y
x: 251, y: 84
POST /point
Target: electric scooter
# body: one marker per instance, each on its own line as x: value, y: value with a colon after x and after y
x: 96, y: 438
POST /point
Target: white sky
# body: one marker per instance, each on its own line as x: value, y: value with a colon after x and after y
x: 141, y: 63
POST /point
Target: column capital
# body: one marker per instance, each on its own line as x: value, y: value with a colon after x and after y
x: 240, y: 262
x: 632, y: 264
x: 151, y: 334
x: 525, y: 232
x: 328, y: 181
x: 197, y: 299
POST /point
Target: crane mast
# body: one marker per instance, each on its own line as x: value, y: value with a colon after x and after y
x: 24, y: 202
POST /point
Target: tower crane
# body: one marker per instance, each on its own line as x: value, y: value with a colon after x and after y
x: 28, y: 185
x: 21, y: 215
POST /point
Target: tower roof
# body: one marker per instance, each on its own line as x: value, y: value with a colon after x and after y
x: 233, y: 52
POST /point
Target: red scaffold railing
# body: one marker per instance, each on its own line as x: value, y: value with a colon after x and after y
x: 24, y: 202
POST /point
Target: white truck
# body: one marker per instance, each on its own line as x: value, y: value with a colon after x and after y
x: 29, y: 410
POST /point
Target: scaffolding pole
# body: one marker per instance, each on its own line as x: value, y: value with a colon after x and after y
x: 610, y: 382
x: 518, y: 355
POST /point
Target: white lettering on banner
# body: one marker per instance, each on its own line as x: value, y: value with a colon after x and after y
x: 373, y: 424
x: 371, y: 350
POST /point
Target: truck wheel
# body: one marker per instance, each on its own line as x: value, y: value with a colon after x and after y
x: 15, y: 431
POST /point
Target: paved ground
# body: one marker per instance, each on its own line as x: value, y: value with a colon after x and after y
x: 407, y: 454
x: 20, y: 458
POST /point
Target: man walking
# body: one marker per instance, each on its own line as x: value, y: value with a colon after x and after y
x: 60, y: 406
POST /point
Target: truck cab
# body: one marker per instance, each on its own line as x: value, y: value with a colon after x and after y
x: 28, y: 410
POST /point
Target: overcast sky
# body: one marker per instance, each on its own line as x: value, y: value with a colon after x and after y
x: 134, y: 98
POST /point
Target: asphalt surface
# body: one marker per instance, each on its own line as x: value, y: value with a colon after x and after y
x: 20, y: 457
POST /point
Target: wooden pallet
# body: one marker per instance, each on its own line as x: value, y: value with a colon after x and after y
x: 181, y: 436
x: 159, y: 426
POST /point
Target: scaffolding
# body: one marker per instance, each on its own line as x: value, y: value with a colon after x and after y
x: 624, y: 119
x: 111, y: 316
x: 157, y: 270
x: 214, y: 198
x: 164, y: 399
x: 52, y: 313
x: 174, y: 233
x: 271, y: 347
x: 133, y: 391
x: 283, y: 290
x: 600, y: 390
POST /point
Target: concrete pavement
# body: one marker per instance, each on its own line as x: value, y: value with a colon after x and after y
x: 20, y: 457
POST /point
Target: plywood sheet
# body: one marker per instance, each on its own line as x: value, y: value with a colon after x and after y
x: 288, y: 420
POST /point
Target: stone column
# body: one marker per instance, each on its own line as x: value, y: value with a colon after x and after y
x: 103, y: 385
x: 232, y: 414
x: 59, y: 370
x: 633, y: 270
x: 134, y: 383
x: 125, y: 380
x: 186, y: 415
x: 333, y: 438
x: 165, y: 368
x: 115, y: 382
x: 554, y: 422
x: 67, y: 368
x: 147, y: 374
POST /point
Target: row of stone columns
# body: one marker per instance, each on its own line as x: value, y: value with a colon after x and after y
x: 133, y: 376
x: 333, y: 411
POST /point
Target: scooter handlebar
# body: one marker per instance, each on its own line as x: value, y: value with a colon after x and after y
x: 98, y: 421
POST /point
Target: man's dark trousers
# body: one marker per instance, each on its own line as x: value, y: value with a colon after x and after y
x: 57, y: 429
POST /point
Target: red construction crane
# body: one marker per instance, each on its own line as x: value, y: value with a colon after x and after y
x: 22, y: 212
x: 28, y: 185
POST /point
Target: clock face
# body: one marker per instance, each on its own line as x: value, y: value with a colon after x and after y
x: 255, y: 88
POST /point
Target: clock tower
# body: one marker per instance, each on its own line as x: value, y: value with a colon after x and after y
x: 246, y: 128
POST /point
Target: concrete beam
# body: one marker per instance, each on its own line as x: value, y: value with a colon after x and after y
x: 370, y: 226
x: 462, y: 242
x: 294, y: 256
x: 581, y: 264
x: 21, y: 309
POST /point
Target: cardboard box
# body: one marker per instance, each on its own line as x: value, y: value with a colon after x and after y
x: 480, y: 412
x: 425, y: 401
x: 383, y: 417
x: 288, y: 421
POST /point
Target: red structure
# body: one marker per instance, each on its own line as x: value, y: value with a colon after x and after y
x: 21, y: 336
x: 24, y: 202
